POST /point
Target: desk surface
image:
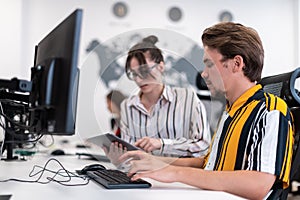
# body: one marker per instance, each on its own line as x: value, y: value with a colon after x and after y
x: 22, y: 169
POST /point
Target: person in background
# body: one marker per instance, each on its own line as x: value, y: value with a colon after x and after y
x: 251, y: 152
x: 114, y: 99
x: 161, y: 119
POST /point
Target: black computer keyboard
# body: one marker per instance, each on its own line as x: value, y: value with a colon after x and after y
x: 115, y: 179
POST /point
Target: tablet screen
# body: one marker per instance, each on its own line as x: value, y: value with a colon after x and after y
x: 106, y: 139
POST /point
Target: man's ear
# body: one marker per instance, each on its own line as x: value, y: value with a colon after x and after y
x: 238, y: 63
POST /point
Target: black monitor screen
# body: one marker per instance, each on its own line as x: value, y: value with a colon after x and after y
x: 55, y: 79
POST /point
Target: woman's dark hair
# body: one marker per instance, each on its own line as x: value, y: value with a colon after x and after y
x: 147, y: 45
x: 232, y: 39
x: 116, y: 97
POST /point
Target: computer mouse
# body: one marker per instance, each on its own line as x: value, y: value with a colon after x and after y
x: 58, y: 152
x: 92, y: 167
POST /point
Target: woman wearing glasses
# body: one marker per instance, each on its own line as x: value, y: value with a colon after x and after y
x: 161, y: 119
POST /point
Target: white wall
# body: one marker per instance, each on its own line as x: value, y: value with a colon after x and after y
x: 275, y: 20
x: 25, y: 23
x: 297, y: 25
x: 10, y: 37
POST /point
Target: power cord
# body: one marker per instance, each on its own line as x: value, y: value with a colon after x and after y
x: 61, y: 176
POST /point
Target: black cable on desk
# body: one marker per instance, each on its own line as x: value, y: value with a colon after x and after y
x: 63, y: 172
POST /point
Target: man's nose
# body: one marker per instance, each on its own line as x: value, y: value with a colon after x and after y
x: 204, y: 74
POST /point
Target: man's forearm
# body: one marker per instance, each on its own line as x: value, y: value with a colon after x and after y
x: 187, y: 162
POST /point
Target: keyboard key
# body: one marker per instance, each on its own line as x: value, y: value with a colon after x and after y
x: 115, y: 179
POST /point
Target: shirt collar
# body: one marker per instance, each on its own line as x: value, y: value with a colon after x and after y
x: 242, y: 100
x: 167, y: 95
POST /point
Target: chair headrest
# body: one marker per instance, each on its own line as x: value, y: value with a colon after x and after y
x: 283, y: 85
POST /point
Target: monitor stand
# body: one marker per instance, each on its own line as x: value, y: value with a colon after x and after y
x: 9, y: 147
x: 14, y: 135
x: 13, y: 104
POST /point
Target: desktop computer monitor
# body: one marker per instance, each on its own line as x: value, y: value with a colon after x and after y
x: 47, y: 103
x: 54, y: 77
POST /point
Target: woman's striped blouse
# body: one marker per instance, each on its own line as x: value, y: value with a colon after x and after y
x: 178, y: 118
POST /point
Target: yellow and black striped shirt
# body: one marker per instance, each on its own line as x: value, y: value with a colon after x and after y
x: 255, y: 133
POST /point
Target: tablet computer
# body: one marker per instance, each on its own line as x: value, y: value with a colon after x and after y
x: 107, y: 138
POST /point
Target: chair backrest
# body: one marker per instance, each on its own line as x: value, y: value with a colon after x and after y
x: 203, y: 92
x: 283, y: 85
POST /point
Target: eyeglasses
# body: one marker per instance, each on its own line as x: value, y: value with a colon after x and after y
x: 143, y: 72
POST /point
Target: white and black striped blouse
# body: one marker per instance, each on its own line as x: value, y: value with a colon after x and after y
x: 178, y: 118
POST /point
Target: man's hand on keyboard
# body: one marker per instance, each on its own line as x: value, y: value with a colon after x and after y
x: 125, y: 166
x: 144, y: 164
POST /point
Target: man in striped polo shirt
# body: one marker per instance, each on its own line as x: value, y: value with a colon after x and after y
x: 251, y: 152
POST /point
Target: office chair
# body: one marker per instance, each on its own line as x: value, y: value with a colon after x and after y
x: 283, y: 85
x: 203, y: 92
